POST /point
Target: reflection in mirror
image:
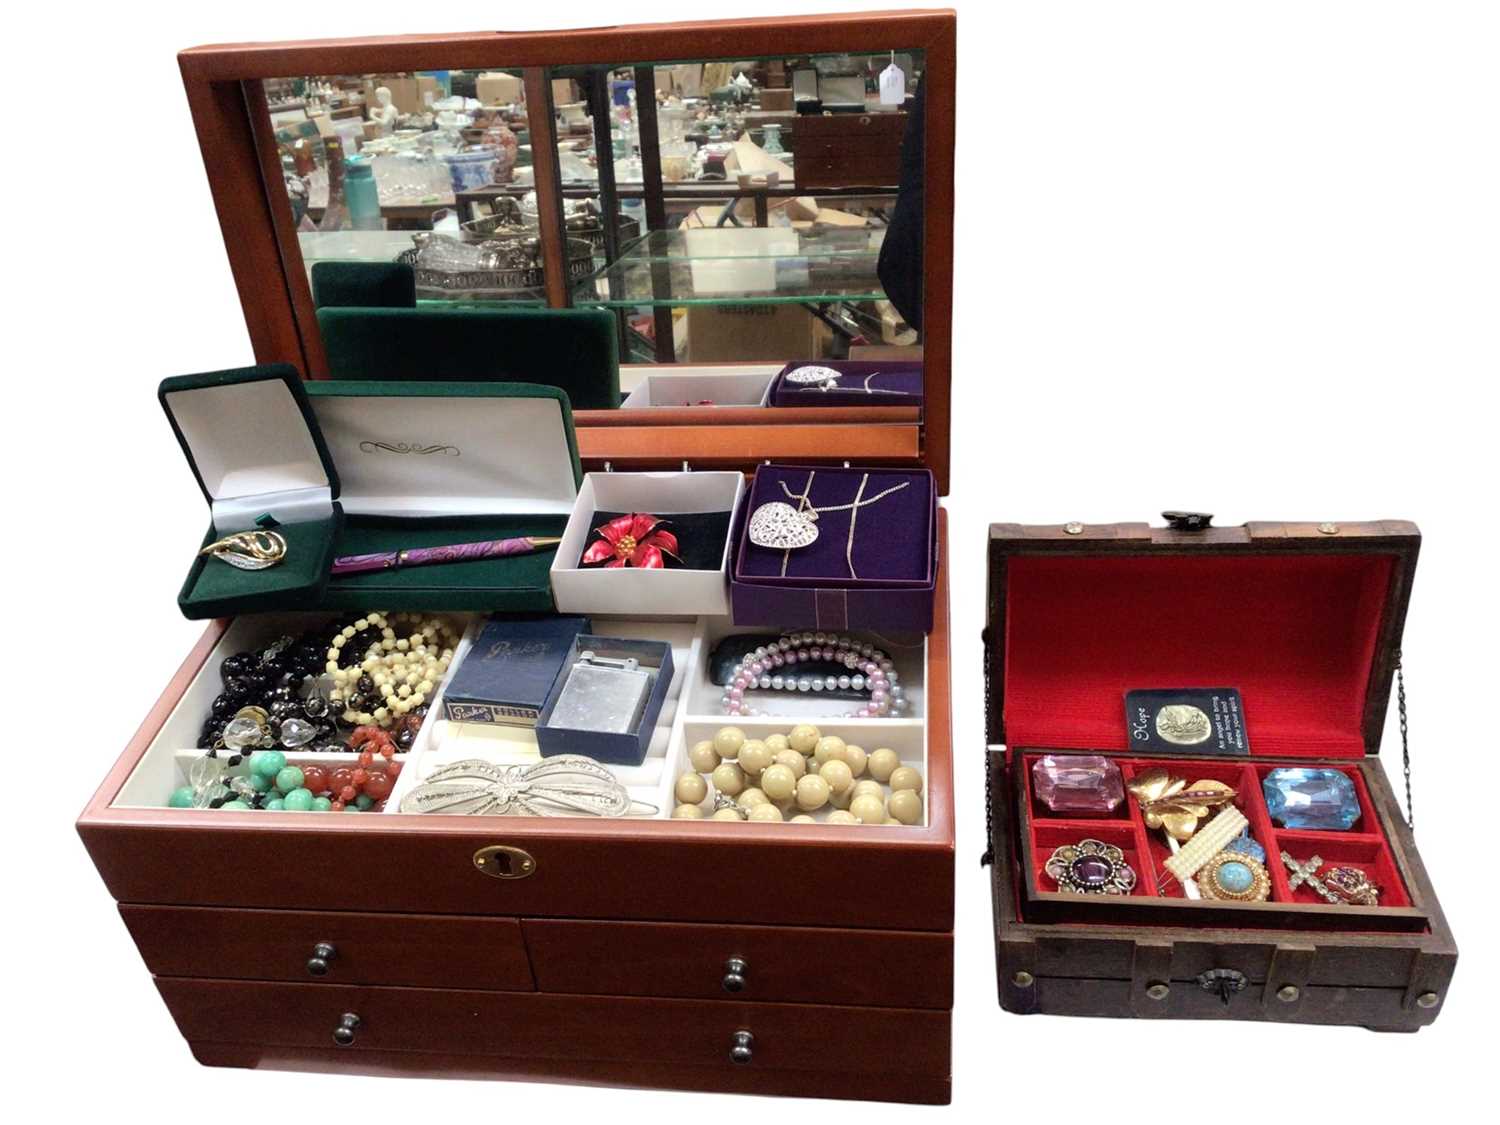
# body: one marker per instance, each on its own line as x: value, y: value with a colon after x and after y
x: 767, y: 209
x: 431, y: 169
x: 734, y: 219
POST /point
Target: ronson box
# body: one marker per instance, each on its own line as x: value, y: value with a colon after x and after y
x: 1302, y: 620
x: 510, y: 668
x: 606, y: 700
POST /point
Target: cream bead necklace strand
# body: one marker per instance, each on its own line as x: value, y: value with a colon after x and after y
x: 791, y: 776
x: 404, y: 670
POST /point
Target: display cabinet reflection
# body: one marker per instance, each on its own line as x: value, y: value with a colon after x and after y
x: 753, y: 200
x: 764, y: 211
x: 382, y: 168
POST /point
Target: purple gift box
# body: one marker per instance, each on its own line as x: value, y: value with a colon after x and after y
x: 849, y: 382
x: 893, y: 551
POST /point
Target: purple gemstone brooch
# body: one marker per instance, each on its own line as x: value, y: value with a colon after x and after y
x: 1091, y: 867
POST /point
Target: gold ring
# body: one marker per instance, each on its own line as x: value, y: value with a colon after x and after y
x: 1351, y: 885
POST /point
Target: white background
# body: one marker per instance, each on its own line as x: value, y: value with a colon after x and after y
x: 1235, y: 257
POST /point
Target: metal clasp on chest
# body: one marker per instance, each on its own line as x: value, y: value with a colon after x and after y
x: 1223, y: 983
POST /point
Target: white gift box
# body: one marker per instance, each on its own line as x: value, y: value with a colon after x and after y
x: 672, y: 592
x: 733, y: 386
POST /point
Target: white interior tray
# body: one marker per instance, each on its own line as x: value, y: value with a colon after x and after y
x: 693, y: 711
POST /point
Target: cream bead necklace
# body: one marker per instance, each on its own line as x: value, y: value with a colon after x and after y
x: 794, y: 775
x: 404, y: 670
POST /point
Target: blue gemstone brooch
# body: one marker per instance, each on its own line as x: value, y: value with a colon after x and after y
x: 1234, y: 877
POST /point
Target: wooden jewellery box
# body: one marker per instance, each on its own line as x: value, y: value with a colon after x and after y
x: 1304, y: 621
x: 790, y: 958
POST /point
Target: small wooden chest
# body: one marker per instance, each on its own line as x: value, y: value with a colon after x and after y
x: 1305, y: 621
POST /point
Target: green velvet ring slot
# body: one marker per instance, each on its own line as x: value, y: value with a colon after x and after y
x: 215, y: 588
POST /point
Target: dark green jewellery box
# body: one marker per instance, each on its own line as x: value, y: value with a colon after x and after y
x: 348, y: 467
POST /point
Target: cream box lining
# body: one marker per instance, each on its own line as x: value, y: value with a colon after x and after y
x: 691, y: 713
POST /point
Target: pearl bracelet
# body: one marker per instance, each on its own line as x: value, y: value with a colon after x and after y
x: 868, y: 668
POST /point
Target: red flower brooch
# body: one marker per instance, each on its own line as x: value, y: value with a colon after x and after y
x: 635, y: 540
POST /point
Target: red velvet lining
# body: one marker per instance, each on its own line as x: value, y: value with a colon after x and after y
x: 1296, y: 634
x: 1364, y: 847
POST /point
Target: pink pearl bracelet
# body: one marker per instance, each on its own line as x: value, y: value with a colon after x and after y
x: 773, y: 667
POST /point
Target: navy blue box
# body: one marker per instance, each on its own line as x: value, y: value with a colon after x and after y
x: 610, y: 747
x: 509, y: 671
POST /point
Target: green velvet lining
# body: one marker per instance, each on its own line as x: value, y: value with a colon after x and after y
x: 517, y: 584
x: 214, y: 588
x: 384, y: 285
x: 572, y: 349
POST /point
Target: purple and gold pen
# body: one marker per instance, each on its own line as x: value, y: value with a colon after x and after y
x: 457, y: 552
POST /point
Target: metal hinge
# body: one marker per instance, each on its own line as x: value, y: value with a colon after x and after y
x: 989, y: 792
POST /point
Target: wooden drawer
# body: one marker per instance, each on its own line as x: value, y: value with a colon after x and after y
x: 282, y: 945
x: 892, y: 969
x: 691, y: 1033
x: 848, y: 150
x: 889, y: 1086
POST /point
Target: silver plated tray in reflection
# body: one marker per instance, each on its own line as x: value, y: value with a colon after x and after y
x: 512, y: 267
x: 589, y: 227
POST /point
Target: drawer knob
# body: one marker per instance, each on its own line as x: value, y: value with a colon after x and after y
x: 343, y: 1035
x: 735, y: 970
x: 323, y: 953
x: 742, y: 1047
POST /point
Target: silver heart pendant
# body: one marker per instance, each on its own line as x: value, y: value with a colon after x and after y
x: 813, y: 374
x: 781, y: 527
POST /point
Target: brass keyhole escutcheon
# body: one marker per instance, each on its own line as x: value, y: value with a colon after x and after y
x: 501, y: 861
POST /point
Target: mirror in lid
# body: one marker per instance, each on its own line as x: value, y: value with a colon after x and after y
x: 700, y: 226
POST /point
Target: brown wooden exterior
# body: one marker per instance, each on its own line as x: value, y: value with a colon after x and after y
x: 608, y: 963
x: 547, y: 1000
x: 225, y: 95
x: 1383, y: 981
x: 1302, y: 963
x: 787, y: 1037
x: 663, y: 1073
